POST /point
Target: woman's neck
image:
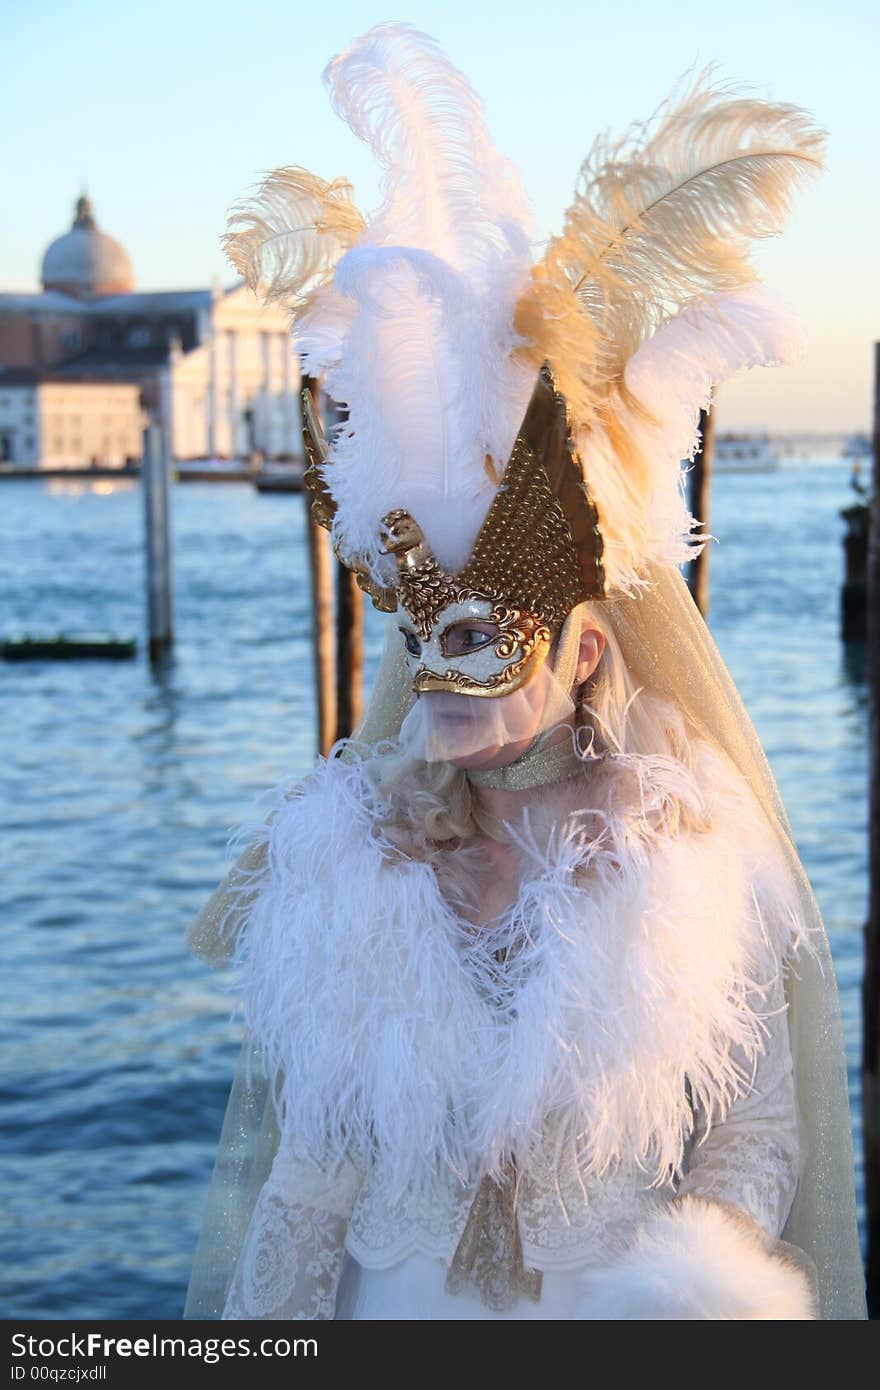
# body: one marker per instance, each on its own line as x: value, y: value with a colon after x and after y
x: 502, y: 794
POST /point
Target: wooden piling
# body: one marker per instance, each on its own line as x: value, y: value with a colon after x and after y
x: 699, y: 501
x: 321, y: 576
x: 155, y: 474
x: 853, y: 597
x: 871, y: 979
x: 349, y: 631
x: 349, y: 651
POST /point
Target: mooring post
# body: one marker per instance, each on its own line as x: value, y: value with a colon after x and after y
x: 349, y: 630
x: 700, y: 497
x: 871, y: 979
x: 321, y: 574
x: 155, y: 475
x: 349, y: 651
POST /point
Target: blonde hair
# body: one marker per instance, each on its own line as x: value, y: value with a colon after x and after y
x: 614, y: 719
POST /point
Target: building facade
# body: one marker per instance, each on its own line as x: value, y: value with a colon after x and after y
x: 47, y: 422
x: 214, y: 367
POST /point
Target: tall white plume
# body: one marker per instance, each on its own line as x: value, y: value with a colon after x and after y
x: 415, y: 334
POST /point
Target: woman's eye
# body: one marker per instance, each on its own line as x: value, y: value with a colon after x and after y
x: 413, y: 645
x: 467, y: 639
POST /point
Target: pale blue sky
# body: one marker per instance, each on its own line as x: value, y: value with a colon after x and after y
x: 169, y: 111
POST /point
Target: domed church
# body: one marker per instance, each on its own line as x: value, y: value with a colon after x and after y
x: 85, y: 262
x: 88, y: 359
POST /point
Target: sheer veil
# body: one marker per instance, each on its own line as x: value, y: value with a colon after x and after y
x: 670, y: 651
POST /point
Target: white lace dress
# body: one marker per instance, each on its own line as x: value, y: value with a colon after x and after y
x: 322, y: 1249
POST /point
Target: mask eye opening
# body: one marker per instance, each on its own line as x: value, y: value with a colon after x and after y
x: 411, y: 641
x: 450, y: 647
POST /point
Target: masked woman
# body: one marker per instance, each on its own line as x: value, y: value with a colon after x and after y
x: 541, y: 1019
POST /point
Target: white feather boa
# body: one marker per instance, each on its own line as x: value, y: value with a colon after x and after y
x: 646, y: 952
x: 701, y: 1260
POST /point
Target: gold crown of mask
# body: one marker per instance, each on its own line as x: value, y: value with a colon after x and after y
x: 538, y: 555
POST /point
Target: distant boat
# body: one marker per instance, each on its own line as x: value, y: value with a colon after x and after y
x: 213, y: 470
x: 29, y: 646
x: 280, y: 477
x: 210, y: 464
x: 744, y: 453
x: 857, y: 446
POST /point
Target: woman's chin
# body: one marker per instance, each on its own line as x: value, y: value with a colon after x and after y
x: 482, y: 759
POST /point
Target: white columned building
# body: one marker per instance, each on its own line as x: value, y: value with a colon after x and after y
x: 215, y: 366
x: 212, y: 395
x: 238, y: 390
x: 235, y: 446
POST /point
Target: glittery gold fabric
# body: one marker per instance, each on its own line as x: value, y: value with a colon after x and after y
x: 540, y: 545
x: 537, y: 767
x: 489, y: 1254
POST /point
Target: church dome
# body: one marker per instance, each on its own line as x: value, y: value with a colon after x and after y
x: 86, y: 262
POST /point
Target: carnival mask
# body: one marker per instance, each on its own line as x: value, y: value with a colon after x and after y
x: 487, y: 629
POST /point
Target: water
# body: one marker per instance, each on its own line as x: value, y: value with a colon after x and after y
x: 119, y: 786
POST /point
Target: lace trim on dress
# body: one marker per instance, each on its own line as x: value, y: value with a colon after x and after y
x: 291, y: 1261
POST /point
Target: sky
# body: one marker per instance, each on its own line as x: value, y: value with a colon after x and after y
x: 168, y: 112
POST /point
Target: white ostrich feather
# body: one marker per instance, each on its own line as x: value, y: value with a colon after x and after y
x: 447, y: 189
x: 663, y: 215
x: 675, y: 374
x: 413, y: 334
x: 416, y: 335
x: 286, y: 240
x: 643, y: 964
x: 430, y: 386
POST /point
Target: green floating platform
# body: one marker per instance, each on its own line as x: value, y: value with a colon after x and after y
x: 65, y: 646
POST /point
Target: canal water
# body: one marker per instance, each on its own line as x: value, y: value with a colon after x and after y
x: 119, y: 786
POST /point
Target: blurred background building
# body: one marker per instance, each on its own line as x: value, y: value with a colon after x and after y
x: 87, y: 359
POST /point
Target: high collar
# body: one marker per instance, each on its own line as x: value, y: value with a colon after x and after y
x: 540, y: 765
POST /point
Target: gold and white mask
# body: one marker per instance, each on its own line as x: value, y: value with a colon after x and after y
x: 485, y: 631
